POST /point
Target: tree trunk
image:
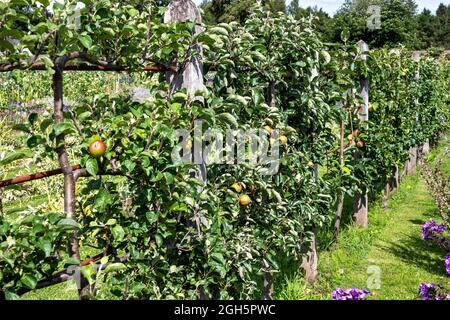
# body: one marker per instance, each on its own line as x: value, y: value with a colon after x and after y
x: 69, y: 180
x: 64, y: 162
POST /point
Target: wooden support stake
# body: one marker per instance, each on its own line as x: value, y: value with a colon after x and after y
x: 360, y: 203
x: 310, y: 260
x: 394, y: 180
x: 411, y: 164
x: 386, y: 194
x: 340, y: 207
x: 413, y: 151
x: 190, y: 76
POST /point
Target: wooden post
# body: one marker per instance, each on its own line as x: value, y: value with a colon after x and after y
x: 190, y: 76
x: 310, y: 259
x: 386, y: 193
x: 267, y: 289
x: 394, y: 179
x: 412, y: 162
x: 364, y: 84
x: 426, y: 147
x: 360, y: 203
x: 340, y: 207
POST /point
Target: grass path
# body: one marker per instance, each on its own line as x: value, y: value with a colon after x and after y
x: 391, y: 250
x: 400, y: 254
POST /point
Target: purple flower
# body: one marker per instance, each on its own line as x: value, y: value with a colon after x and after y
x: 431, y: 230
x: 431, y: 291
x: 350, y: 294
x: 447, y: 263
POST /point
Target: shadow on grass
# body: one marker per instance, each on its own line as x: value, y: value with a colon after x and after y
x: 415, y: 251
x: 417, y: 221
x: 431, y: 213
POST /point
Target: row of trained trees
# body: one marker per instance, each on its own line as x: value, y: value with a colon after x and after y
x: 159, y: 231
x: 400, y: 21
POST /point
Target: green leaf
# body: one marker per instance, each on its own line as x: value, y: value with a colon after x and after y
x: 32, y: 118
x: 219, y: 30
x: 63, y: 128
x: 92, y: 166
x: 326, y: 56
x: 69, y: 261
x: 229, y: 119
x: 68, y: 224
x: 169, y: 178
x: 34, y: 141
x: 29, y: 281
x: 345, y: 35
x: 6, y: 45
x: 111, y: 222
x: 45, y: 124
x: 115, y: 267
x: 21, y: 127
x: 118, y: 233
x: 103, y: 199
x: 13, y: 157
x: 89, y: 273
x: 238, y: 99
x: 11, y: 295
x: 47, y: 246
x: 86, y: 41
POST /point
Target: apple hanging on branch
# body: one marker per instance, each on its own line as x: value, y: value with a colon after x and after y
x: 97, y: 148
x: 245, y: 200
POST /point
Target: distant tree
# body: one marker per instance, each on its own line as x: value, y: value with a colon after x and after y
x: 443, y: 26
x: 434, y: 30
x: 216, y: 11
x: 323, y: 23
x: 398, y: 23
x: 426, y: 25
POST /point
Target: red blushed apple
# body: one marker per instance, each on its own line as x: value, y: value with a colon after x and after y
x: 360, y: 144
x: 97, y: 148
x: 355, y: 132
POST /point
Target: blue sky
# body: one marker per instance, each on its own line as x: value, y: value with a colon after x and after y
x: 331, y: 6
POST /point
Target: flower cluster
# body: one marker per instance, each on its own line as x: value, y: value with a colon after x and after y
x: 432, y: 231
x: 447, y: 263
x: 17, y: 111
x: 350, y: 294
x: 431, y: 291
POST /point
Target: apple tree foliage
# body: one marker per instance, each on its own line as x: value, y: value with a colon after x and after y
x: 166, y: 234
